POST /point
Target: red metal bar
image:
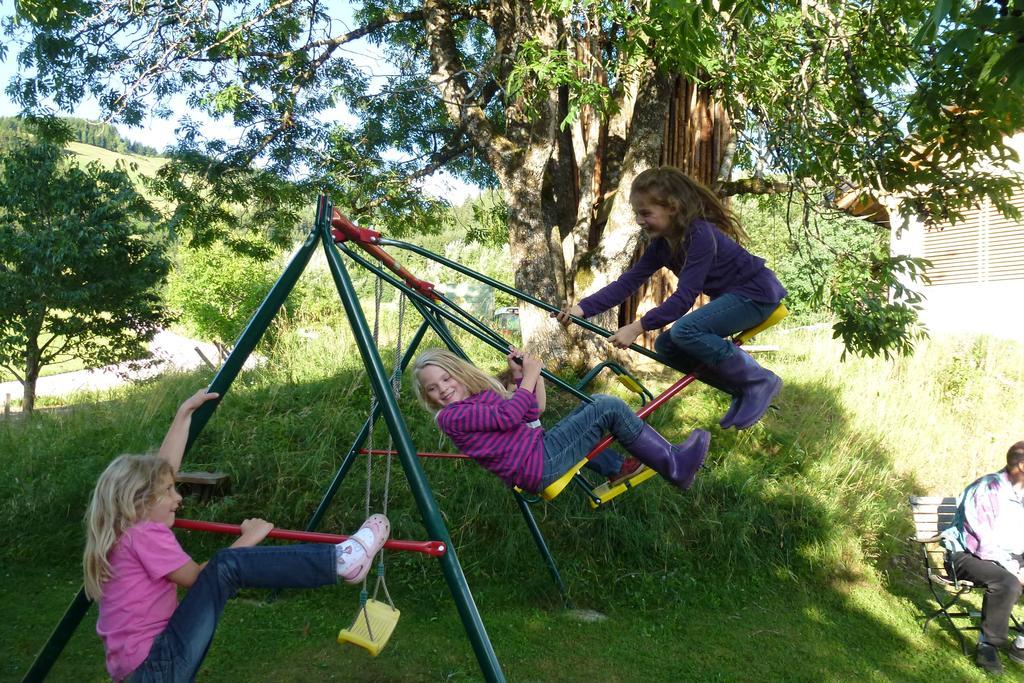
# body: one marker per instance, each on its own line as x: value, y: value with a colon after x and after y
x: 379, y: 451
x: 646, y: 410
x: 433, y: 548
x: 344, y: 229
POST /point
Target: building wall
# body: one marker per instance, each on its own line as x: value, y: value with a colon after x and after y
x: 977, y: 269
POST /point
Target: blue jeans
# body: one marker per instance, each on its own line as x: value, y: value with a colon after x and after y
x: 179, y: 650
x: 574, y: 436
x: 701, y: 337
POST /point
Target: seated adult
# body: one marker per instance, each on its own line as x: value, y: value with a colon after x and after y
x: 986, y: 543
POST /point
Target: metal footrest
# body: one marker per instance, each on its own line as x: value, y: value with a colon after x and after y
x: 605, y: 492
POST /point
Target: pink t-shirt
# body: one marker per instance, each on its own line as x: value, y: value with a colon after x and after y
x: 138, y: 600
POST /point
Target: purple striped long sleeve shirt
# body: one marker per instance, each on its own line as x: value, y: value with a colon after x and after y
x: 493, y: 431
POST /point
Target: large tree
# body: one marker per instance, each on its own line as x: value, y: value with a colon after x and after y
x: 559, y: 103
x: 80, y: 269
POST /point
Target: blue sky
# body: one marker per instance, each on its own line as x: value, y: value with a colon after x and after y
x: 159, y: 133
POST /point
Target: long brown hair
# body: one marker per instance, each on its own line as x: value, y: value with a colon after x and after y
x: 688, y: 200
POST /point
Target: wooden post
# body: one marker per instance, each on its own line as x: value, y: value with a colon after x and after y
x: 7, y: 405
x: 205, y: 359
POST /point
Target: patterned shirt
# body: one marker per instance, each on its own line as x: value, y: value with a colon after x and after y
x: 493, y: 431
x: 708, y: 261
x: 989, y: 522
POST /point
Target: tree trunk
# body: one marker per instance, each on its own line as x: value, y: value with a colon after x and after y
x: 520, y: 152
x: 535, y: 257
x: 697, y: 134
x: 28, y: 397
x: 642, y: 142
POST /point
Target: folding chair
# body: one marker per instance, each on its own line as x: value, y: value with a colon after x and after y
x: 932, y: 515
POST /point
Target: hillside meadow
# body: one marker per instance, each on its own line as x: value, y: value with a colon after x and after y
x: 786, y: 561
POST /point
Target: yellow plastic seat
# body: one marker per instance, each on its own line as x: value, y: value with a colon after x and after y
x: 371, y: 629
x: 557, y: 486
x: 777, y: 315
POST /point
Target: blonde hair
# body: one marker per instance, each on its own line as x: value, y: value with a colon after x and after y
x: 123, y: 494
x: 688, y: 199
x: 475, y: 379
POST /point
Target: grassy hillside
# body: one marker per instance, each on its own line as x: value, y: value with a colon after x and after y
x: 138, y: 166
x: 786, y: 561
x: 147, y: 166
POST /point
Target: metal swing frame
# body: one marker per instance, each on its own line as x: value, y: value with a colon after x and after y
x: 332, y: 231
x: 426, y: 300
x: 321, y: 234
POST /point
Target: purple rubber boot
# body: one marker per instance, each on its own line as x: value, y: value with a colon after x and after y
x: 757, y: 386
x: 678, y: 464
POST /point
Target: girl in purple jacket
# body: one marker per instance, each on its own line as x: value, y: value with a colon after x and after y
x: 497, y: 426
x: 695, y: 236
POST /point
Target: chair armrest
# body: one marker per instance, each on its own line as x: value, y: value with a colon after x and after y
x: 933, y: 539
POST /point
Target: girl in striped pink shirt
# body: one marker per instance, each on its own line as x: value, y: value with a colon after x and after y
x: 497, y: 426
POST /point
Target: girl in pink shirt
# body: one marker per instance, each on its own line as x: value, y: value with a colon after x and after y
x: 496, y: 426
x: 134, y: 565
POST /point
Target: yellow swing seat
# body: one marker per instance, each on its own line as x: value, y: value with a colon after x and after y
x: 382, y: 619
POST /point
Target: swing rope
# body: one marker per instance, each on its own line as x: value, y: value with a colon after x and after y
x: 395, y: 385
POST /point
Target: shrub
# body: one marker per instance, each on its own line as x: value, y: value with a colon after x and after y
x: 216, y: 290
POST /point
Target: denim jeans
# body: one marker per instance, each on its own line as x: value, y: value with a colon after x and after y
x: 701, y: 337
x: 179, y: 650
x: 575, y: 435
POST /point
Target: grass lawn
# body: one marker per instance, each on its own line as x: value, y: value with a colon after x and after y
x: 769, y: 632
x: 785, y: 562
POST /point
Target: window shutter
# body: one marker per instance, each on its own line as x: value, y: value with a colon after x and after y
x: 1006, y: 245
x: 983, y: 247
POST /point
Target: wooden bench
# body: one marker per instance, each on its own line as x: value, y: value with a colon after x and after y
x: 205, y: 485
x: 932, y: 515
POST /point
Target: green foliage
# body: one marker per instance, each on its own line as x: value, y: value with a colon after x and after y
x: 215, y: 290
x: 484, y: 219
x: 838, y: 267
x: 989, y: 35
x: 539, y: 71
x: 909, y: 98
x: 876, y: 313
x: 80, y: 274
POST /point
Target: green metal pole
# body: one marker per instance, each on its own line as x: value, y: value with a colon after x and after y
x: 252, y: 333
x: 497, y: 284
x: 48, y: 655
x: 487, y: 339
x: 418, y: 485
x: 360, y: 439
x: 542, y: 546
